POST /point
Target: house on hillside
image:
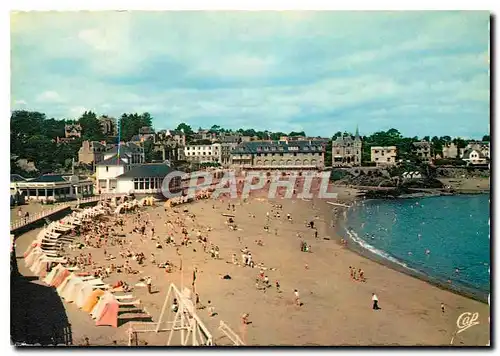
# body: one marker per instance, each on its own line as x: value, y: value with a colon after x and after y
x: 346, y: 150
x: 423, y: 150
x: 92, y: 152
x: 108, y: 125
x: 450, y: 150
x: 384, y: 156
x: 473, y: 156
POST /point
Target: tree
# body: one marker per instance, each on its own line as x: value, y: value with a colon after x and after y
x: 91, y: 128
x: 186, y: 128
x: 486, y: 138
x: 294, y: 133
x: 337, y: 135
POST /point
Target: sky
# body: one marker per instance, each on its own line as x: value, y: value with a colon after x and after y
x: 423, y: 73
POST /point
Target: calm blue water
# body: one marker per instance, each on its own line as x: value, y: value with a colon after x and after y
x: 454, y: 229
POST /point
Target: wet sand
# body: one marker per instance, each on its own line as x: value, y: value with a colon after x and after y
x: 336, y: 309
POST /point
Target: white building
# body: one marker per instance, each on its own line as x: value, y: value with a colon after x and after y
x: 52, y: 187
x: 147, y: 179
x: 203, y: 153
x: 384, y: 156
x: 106, y: 171
x: 473, y: 156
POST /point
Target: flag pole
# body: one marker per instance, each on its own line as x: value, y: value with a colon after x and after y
x: 119, y: 139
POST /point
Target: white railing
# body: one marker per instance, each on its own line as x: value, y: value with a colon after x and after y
x: 37, y: 216
x: 59, y: 207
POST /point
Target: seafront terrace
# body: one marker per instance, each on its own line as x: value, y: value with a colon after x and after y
x: 22, y: 222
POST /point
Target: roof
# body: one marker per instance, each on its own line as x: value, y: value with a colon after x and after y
x: 49, y: 178
x: 17, y: 178
x: 128, y: 147
x: 470, y: 150
x: 150, y: 170
x: 347, y: 138
x: 280, y: 146
x: 112, y: 161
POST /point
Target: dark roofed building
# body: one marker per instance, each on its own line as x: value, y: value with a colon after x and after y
x: 147, y: 179
x: 279, y: 155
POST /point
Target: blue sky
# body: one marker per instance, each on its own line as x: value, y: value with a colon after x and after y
x: 424, y: 73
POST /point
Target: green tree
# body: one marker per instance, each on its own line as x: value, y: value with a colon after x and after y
x: 295, y: 133
x: 486, y: 138
x: 91, y: 128
x: 186, y: 128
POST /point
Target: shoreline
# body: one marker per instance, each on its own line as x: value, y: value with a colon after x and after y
x: 340, y: 231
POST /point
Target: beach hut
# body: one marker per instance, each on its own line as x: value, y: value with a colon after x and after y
x: 92, y: 300
x: 83, y: 294
x: 32, y: 257
x: 60, y: 288
x: 84, y: 290
x: 52, y: 274
x: 70, y: 291
x: 108, y: 315
x: 99, y: 307
x: 60, y: 278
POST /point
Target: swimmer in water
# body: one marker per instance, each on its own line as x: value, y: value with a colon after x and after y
x: 409, y: 253
x: 427, y: 252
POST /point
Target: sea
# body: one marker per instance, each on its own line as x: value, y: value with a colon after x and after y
x: 443, y: 239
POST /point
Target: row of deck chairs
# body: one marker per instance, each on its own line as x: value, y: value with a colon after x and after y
x: 87, y: 292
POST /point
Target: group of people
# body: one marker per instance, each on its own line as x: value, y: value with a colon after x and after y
x: 357, y: 275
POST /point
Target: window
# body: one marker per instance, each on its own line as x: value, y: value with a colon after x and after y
x: 388, y: 159
x: 295, y: 153
x: 141, y: 183
x: 107, y: 169
x: 136, y: 184
x: 376, y: 158
x: 146, y: 183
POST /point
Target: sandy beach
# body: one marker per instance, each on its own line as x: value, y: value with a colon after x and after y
x: 336, y: 310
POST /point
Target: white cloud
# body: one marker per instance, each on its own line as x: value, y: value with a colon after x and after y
x: 50, y: 96
x: 284, y: 69
x: 76, y: 111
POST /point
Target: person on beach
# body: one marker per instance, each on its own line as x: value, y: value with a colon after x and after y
x: 361, y: 275
x: 297, y: 299
x: 149, y: 284
x: 278, y: 286
x: 175, y: 305
x: 442, y: 308
x: 375, y: 302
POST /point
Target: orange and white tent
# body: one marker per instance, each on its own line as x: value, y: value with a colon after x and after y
x: 83, y: 294
x: 106, y: 311
x: 92, y: 300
